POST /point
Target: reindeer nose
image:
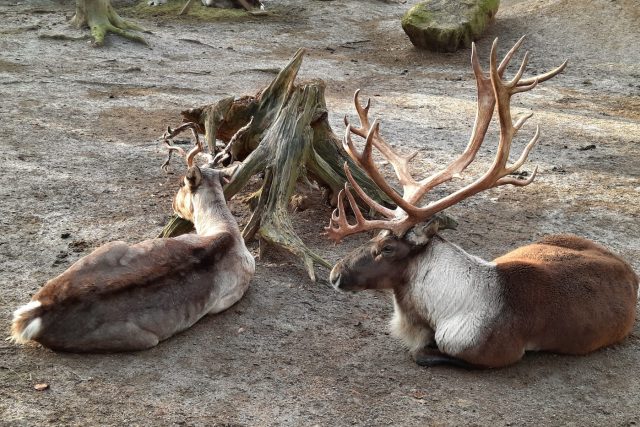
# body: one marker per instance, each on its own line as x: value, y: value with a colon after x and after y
x: 334, y: 277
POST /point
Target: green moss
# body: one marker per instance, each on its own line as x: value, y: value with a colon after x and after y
x: 478, y: 22
x: 173, y: 7
x: 418, y: 15
x: 447, y: 25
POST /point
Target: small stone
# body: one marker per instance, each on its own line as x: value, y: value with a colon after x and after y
x: 418, y: 394
x: 448, y: 25
x: 41, y: 387
x: 65, y: 235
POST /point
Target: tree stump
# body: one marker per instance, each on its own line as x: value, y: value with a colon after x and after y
x: 102, y: 18
x: 284, y: 134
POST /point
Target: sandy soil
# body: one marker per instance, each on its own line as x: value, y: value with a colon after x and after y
x: 80, y: 167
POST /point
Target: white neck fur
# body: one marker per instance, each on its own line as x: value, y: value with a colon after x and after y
x: 453, y: 291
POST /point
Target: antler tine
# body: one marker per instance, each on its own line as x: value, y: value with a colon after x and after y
x: 389, y: 213
x: 399, y: 163
x: 545, y: 76
x: 517, y: 181
x: 339, y: 226
x: 363, y: 115
x: 507, y: 58
x: 225, y: 153
x: 525, y: 153
x: 518, y: 124
x: 365, y: 161
x: 525, y: 82
x: 171, y: 148
x: 195, y: 150
x: 518, y: 76
x: 349, y: 146
x: 172, y: 133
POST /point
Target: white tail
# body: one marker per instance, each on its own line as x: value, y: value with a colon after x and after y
x: 26, y: 323
x: 129, y: 297
x: 563, y: 294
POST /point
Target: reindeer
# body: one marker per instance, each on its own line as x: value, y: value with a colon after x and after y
x: 563, y: 294
x: 226, y: 4
x: 130, y: 297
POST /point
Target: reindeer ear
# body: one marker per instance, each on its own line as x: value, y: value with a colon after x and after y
x: 422, y: 233
x: 193, y: 178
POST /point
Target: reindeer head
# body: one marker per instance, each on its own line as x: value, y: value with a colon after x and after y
x: 206, y: 180
x: 383, y: 262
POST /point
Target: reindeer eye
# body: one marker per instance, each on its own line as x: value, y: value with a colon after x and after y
x: 387, y: 249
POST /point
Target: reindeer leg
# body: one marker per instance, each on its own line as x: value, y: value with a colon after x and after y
x: 245, y: 4
x: 431, y: 358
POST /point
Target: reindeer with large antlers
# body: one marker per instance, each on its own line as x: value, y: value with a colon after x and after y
x: 563, y: 294
x: 130, y: 297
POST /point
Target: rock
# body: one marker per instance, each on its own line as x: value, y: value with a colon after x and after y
x: 448, y: 25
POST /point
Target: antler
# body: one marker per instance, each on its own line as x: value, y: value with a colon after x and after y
x: 172, y: 133
x: 491, y: 90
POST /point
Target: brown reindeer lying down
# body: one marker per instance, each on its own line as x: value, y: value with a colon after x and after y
x: 563, y: 294
x: 125, y: 297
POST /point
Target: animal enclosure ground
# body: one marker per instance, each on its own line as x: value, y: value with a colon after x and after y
x: 81, y: 167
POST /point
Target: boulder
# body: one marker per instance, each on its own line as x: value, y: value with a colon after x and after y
x: 448, y: 25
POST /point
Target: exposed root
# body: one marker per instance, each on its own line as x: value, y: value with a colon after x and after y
x: 101, y: 18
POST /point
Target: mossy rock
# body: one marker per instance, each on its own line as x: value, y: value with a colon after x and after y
x: 448, y: 25
x: 173, y: 7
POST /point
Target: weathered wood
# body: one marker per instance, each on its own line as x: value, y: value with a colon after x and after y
x: 290, y: 140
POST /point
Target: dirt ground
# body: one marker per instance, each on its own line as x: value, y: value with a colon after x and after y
x: 81, y: 167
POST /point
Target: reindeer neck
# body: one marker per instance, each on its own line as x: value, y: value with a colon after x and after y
x: 211, y: 214
x: 448, y: 281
